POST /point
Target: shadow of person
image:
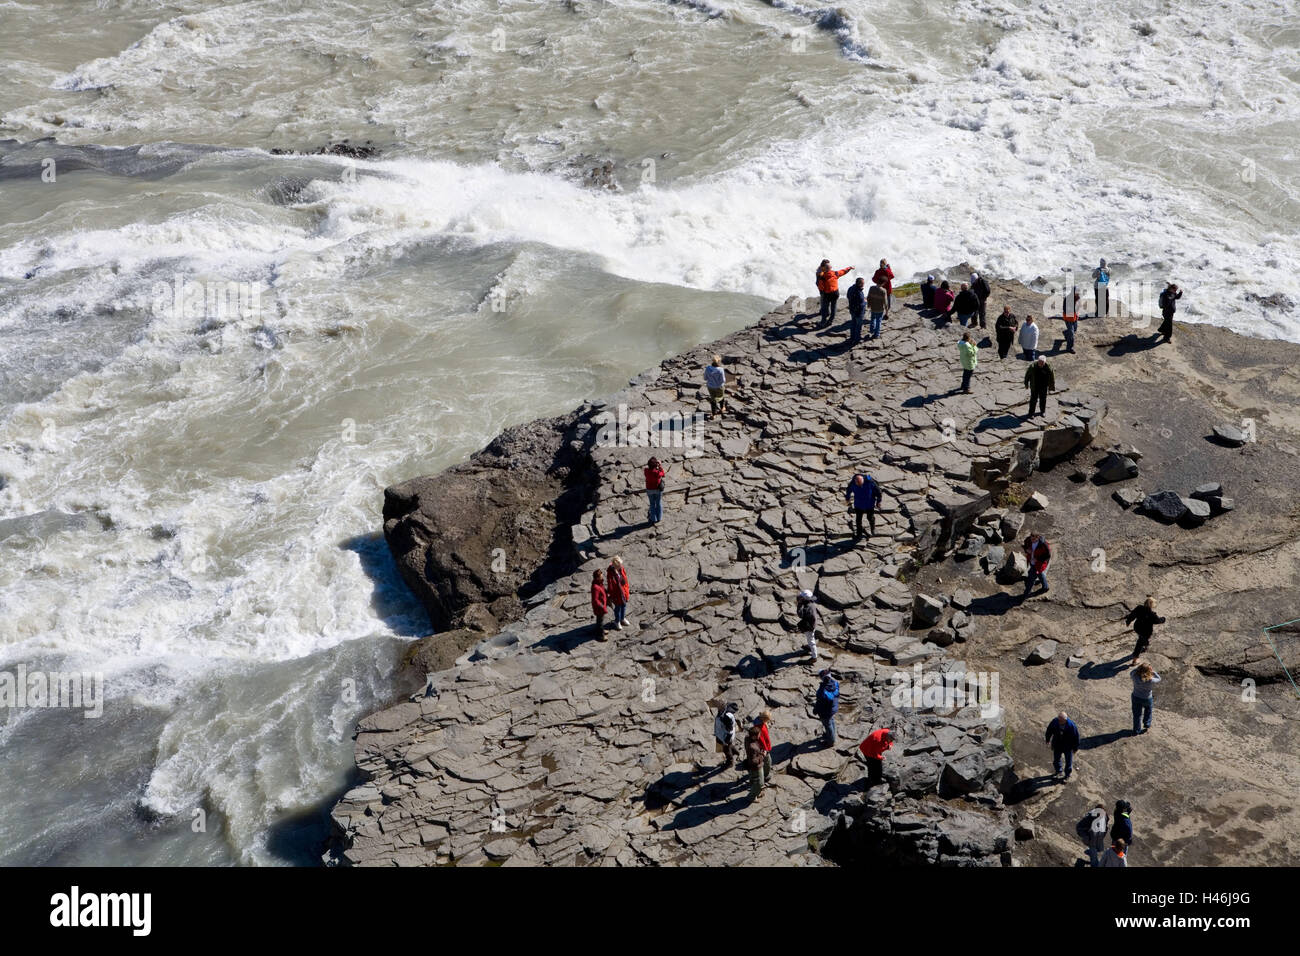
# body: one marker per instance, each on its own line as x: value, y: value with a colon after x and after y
x: 1025, y: 788
x: 1129, y: 344
x: 1094, y: 671
x: 1101, y: 740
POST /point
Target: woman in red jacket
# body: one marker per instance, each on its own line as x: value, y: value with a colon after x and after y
x: 654, y: 489
x: 885, y: 276
x: 943, y: 300
x: 599, y: 600
x: 828, y: 284
x: 616, y: 583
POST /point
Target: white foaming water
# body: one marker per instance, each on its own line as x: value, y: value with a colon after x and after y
x: 197, y: 495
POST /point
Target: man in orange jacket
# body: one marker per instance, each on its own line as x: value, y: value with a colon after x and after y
x: 828, y: 284
x: 873, y: 751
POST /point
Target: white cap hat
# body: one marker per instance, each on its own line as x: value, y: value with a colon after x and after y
x: 974, y: 275
x: 805, y: 593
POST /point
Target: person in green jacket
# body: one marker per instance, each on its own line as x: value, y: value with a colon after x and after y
x: 1039, y: 380
x: 970, y: 359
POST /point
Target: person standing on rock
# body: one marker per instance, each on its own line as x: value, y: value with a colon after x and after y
x: 616, y: 583
x: 1092, y: 830
x: 765, y: 738
x: 1038, y: 555
x: 863, y: 496
x: 943, y: 301
x: 927, y: 292
x: 1063, y: 737
x: 878, y: 306
x: 884, y: 277
x: 599, y: 601
x: 1101, y: 289
x: 828, y: 284
x: 715, y: 380
x: 873, y: 752
x: 1005, y: 329
x: 1121, y: 827
x: 1071, y: 320
x: 755, y: 759
x: 980, y: 286
x: 1115, y: 856
x: 966, y: 305
x: 726, y: 724
x: 654, y: 489
x: 827, y: 704
x: 969, y: 354
x: 857, y: 310
x: 1039, y: 379
x: 805, y: 606
x: 1029, y: 338
x: 1168, y: 306
x: 1144, y: 620
x: 1145, y: 679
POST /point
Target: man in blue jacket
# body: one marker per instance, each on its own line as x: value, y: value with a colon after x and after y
x: 1063, y: 735
x: 827, y: 704
x: 863, y: 496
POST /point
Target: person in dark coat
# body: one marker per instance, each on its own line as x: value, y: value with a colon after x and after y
x: 1144, y: 620
x: 827, y: 704
x: 927, y: 292
x: 980, y: 286
x: 1168, y: 306
x: 857, y: 310
x: 1063, y: 736
x: 1122, y: 827
x: 1005, y: 329
x: 1040, y: 380
x: 966, y: 305
x: 863, y: 496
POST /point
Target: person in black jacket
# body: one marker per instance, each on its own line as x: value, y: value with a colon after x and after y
x: 966, y: 305
x: 1168, y: 306
x: 980, y: 286
x: 1122, y: 828
x: 857, y: 310
x: 1063, y: 735
x: 1040, y: 380
x: 1144, y: 620
x: 1005, y: 327
x: 927, y: 292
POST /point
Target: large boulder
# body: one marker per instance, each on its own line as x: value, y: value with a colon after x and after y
x: 1166, y: 506
x: 1116, y: 468
x: 926, y: 610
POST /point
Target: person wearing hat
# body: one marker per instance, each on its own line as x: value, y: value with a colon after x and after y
x: 927, y: 292
x: 806, y: 610
x: 1040, y: 380
x: 827, y: 704
x: 726, y: 725
x: 980, y: 286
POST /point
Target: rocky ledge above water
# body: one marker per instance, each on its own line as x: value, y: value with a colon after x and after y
x: 536, y: 742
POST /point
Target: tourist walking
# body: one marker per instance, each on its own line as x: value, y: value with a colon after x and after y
x: 1063, y: 737
x: 969, y: 354
x: 863, y: 496
x: 980, y: 286
x: 1121, y: 827
x: 827, y: 704
x: 755, y: 760
x: 805, y: 606
x: 616, y: 584
x: 884, y: 277
x: 1071, y: 320
x: 1005, y: 329
x: 1038, y: 555
x: 1168, y: 306
x: 654, y: 489
x: 599, y: 601
x: 857, y: 309
x: 828, y: 284
x: 966, y: 305
x: 1040, y: 380
x: 873, y: 752
x: 1092, y: 830
x: 878, y: 305
x: 1144, y: 620
x: 1145, y: 679
x: 726, y: 725
x: 1029, y: 338
x: 765, y: 738
x: 943, y: 300
x: 715, y: 380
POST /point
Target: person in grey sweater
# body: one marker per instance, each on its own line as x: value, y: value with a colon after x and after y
x: 1145, y: 679
x: 1116, y: 856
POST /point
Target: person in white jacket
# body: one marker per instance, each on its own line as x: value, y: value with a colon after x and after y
x: 1029, y: 338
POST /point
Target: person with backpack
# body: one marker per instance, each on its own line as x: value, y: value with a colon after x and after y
x: 878, y: 306
x: 884, y: 277
x: 873, y: 752
x: 1121, y: 827
x: 966, y: 305
x: 968, y: 354
x: 1092, y: 830
x: 1145, y: 679
x: 1038, y: 555
x: 1005, y: 329
x: 857, y: 310
x: 1115, y: 856
x: 1071, y: 320
x: 827, y: 704
x: 616, y: 583
x: 980, y: 286
x: 1144, y: 620
x: 1063, y: 737
x: 863, y: 496
x: 1039, y: 379
x: 1168, y: 306
x: 805, y: 606
x: 726, y: 724
x: 943, y: 301
x: 755, y: 760
x: 1029, y: 338
x: 1101, y: 289
x: 715, y: 380
x: 927, y: 292
x: 654, y: 489
x: 599, y: 601
x: 828, y: 285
